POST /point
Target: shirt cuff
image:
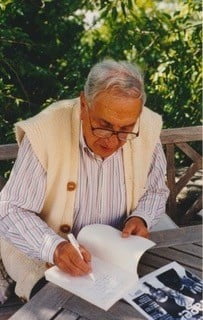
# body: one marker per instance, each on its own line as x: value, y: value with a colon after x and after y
x: 49, y: 246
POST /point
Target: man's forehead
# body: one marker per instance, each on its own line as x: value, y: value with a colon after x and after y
x: 108, y: 99
x: 114, y: 119
x: 122, y: 122
x: 125, y: 114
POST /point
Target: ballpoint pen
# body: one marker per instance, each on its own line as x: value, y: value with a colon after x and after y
x: 76, y: 245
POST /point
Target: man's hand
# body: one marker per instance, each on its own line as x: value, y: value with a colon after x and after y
x: 136, y: 226
x: 67, y: 259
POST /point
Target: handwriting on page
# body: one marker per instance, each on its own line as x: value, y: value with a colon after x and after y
x: 106, y: 283
x: 109, y: 281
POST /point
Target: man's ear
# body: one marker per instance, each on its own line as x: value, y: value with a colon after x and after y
x: 83, y: 105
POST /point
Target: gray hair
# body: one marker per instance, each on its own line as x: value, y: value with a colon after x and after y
x: 122, y: 76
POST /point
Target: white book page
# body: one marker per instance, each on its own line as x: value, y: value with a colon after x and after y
x: 111, y: 283
x: 106, y: 243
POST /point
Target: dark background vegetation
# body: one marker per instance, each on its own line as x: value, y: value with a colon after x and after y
x: 47, y: 48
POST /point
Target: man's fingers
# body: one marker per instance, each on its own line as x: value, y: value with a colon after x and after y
x: 128, y: 230
x: 70, y: 268
x: 136, y: 226
x: 79, y: 262
x: 143, y: 233
x: 86, y: 255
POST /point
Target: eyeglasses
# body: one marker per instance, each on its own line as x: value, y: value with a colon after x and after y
x: 108, y: 133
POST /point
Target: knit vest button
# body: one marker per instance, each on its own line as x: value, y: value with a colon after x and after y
x: 23, y: 299
x: 65, y: 228
x: 71, y: 186
x: 48, y: 265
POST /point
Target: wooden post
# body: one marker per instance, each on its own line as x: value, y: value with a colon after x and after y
x: 171, y: 179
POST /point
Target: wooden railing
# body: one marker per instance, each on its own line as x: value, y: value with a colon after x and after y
x: 180, y: 137
x: 170, y: 138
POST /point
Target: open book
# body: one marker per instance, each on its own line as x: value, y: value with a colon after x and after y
x: 114, y: 265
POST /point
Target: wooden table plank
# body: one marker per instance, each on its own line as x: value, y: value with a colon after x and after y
x: 179, y: 256
x: 119, y: 311
x: 192, y: 249
x: 199, y: 243
x: 64, y: 314
x: 158, y: 257
x: 44, y: 305
x: 152, y: 260
x: 144, y: 269
x: 172, y: 237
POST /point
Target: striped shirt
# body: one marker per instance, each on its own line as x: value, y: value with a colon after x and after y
x: 100, y: 198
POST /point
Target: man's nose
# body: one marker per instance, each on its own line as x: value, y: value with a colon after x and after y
x: 113, y: 141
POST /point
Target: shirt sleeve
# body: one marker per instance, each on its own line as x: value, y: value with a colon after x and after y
x: 153, y: 203
x: 21, y: 200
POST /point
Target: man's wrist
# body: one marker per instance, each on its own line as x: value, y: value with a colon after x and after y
x: 57, y: 250
x: 50, y: 242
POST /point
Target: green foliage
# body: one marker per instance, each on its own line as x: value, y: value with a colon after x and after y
x: 47, y: 48
x: 38, y: 57
x: 168, y: 47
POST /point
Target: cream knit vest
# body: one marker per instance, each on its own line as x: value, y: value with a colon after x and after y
x: 54, y: 136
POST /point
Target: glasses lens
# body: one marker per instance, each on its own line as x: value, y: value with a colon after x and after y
x: 102, y: 133
x: 126, y: 136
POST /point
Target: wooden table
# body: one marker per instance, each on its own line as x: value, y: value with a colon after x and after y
x: 183, y: 245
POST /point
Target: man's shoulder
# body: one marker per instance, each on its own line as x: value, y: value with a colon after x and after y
x: 50, y: 130
x: 55, y: 118
x: 150, y: 113
x: 59, y: 107
x: 62, y: 104
x: 150, y: 124
x: 56, y: 110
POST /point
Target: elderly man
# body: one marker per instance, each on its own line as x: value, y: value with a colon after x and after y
x: 97, y: 159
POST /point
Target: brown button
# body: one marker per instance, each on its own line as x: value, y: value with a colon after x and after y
x: 71, y: 186
x: 48, y: 265
x: 23, y: 299
x: 65, y: 228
